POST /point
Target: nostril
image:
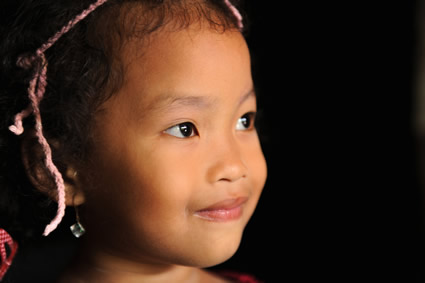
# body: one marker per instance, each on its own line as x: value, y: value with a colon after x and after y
x: 233, y: 176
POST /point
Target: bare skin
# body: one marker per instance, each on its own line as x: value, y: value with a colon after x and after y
x: 89, y: 272
x: 177, y: 140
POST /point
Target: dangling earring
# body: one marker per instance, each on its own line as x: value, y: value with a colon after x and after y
x: 77, y: 229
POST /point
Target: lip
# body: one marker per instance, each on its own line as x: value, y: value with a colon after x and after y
x: 226, y: 210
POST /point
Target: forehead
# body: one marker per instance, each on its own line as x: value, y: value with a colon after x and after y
x: 190, y: 62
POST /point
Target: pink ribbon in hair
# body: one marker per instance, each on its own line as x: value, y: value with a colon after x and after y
x: 36, y: 90
x: 236, y: 13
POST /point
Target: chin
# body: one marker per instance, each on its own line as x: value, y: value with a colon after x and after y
x: 219, y: 259
x: 218, y: 245
x: 217, y: 253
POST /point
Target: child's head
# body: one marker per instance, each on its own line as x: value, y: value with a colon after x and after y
x: 149, y: 111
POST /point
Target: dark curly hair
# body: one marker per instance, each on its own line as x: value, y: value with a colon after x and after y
x: 84, y: 71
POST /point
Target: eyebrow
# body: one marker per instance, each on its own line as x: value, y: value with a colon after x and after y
x: 190, y: 100
x: 201, y: 102
x: 246, y: 96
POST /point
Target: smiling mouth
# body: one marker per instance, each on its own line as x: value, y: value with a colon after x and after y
x: 223, y: 211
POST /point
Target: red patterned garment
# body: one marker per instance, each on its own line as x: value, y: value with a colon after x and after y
x: 6, y: 260
x: 238, y: 277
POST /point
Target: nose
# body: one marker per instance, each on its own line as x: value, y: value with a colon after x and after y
x: 227, y: 163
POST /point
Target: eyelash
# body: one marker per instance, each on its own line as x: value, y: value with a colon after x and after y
x: 187, y: 129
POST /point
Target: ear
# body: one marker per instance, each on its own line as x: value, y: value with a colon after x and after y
x: 33, y: 160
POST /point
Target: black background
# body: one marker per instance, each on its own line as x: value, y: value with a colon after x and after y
x: 343, y: 201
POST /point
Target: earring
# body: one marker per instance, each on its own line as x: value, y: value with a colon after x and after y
x: 77, y: 229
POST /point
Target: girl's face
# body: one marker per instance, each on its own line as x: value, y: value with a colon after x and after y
x: 178, y: 168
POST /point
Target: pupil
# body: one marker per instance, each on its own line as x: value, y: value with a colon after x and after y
x: 186, y: 130
x: 246, y: 121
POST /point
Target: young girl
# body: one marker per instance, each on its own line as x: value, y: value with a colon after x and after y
x: 140, y: 114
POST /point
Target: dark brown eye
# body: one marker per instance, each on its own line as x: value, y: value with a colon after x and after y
x: 246, y: 122
x: 182, y: 131
x: 186, y: 129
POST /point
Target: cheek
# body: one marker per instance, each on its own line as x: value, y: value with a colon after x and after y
x: 257, y: 168
x: 164, y: 189
x: 143, y: 194
x: 259, y: 171
x: 256, y: 163
x: 164, y: 195
x: 150, y: 190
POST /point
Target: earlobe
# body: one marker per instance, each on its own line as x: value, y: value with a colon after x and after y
x: 33, y: 161
x: 73, y: 188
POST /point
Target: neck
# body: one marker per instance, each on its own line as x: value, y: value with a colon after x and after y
x: 97, y: 265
